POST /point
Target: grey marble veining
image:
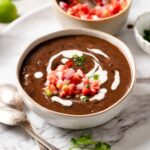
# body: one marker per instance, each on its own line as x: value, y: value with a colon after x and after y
x: 137, y: 113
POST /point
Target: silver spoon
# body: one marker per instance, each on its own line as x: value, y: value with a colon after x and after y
x: 143, y: 80
x: 9, y: 96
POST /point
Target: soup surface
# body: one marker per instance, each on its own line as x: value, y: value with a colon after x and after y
x: 75, y: 74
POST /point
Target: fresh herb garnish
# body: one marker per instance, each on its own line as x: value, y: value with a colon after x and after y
x: 147, y: 35
x: 79, y: 60
x: 85, y: 142
x: 84, y: 98
x: 96, y: 76
x: 87, y: 86
x: 75, y: 56
x: 102, y: 146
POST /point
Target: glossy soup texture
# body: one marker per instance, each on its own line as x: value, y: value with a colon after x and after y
x: 92, y: 86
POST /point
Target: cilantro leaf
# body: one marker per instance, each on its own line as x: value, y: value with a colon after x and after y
x: 85, y: 142
x: 79, y: 60
x: 102, y: 146
x: 146, y: 35
x: 87, y: 86
x: 84, y: 98
x: 96, y: 76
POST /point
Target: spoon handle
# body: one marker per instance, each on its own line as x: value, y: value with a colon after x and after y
x: 143, y: 80
x: 26, y: 125
x: 41, y: 147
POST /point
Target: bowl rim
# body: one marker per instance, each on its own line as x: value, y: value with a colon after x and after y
x: 86, y: 31
x: 136, y: 31
x: 90, y: 20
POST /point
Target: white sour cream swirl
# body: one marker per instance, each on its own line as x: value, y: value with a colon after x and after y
x: 97, y: 69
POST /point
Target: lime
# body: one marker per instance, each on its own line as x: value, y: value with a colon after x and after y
x: 8, y: 11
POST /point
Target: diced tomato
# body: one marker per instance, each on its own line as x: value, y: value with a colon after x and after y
x: 117, y: 8
x: 59, y: 84
x: 85, y: 8
x: 80, y: 86
x: 95, y: 86
x: 76, y: 78
x: 99, y: 2
x: 123, y: 4
x: 86, y: 91
x: 59, y: 74
x: 105, y: 13
x: 71, y: 89
x: 64, y: 81
x: 110, y: 7
x: 80, y: 72
x: 93, y: 91
x: 89, y: 16
x: 85, y: 80
x: 61, y: 68
x: 69, y: 63
x: 95, y: 82
x: 72, y: 86
x: 52, y: 88
x: 65, y: 88
x: 62, y: 93
x: 68, y: 73
x: 76, y: 92
x: 52, y: 78
x: 103, y: 8
x: 63, y: 5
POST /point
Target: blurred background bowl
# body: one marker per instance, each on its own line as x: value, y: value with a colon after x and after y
x: 141, y: 24
x: 111, y: 25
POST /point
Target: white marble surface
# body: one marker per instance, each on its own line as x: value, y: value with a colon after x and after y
x: 25, y: 6
x: 128, y: 131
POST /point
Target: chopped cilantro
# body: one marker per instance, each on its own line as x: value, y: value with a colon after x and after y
x: 84, y: 98
x: 79, y: 60
x: 85, y: 142
x: 102, y: 146
x: 79, y: 63
x: 96, y: 76
x: 82, y: 58
x: 147, y: 35
x: 87, y: 86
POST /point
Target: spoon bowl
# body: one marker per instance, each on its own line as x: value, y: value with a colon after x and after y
x: 9, y: 98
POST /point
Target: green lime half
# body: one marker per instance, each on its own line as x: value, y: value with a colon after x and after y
x: 8, y: 11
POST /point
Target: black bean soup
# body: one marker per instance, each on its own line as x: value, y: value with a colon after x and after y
x: 75, y: 74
